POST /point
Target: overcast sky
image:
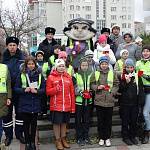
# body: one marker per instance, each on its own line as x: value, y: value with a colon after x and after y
x: 139, y: 13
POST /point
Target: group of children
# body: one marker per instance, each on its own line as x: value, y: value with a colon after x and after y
x: 76, y: 92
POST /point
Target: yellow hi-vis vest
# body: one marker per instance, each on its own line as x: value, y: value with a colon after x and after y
x: 145, y: 67
x: 3, y: 78
x: 110, y: 78
x: 45, y: 67
x: 120, y: 64
x: 70, y: 70
x: 80, y: 84
x: 24, y: 80
x: 52, y: 60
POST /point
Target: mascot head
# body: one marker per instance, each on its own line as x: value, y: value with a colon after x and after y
x: 80, y: 29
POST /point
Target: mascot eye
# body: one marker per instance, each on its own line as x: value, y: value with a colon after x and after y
x: 84, y: 28
x: 75, y: 27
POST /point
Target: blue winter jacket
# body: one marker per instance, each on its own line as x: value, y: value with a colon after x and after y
x: 13, y: 63
x: 29, y: 102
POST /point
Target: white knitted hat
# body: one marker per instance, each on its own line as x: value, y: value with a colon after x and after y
x: 88, y: 52
x: 59, y: 62
x: 122, y: 51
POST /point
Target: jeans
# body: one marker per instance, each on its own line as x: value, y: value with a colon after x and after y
x: 1, y: 129
x: 146, y: 111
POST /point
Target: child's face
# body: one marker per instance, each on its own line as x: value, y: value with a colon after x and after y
x: 56, y: 51
x: 30, y: 65
x: 146, y: 53
x: 129, y: 69
x: 84, y: 66
x: 90, y: 59
x: 39, y: 57
x: 61, y: 68
x: 104, y: 65
x: 103, y: 44
x: 125, y: 55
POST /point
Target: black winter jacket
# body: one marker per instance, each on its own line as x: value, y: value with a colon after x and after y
x: 47, y: 48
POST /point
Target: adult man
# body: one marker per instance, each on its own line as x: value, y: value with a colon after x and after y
x: 47, y: 45
x: 116, y: 37
x: 13, y: 57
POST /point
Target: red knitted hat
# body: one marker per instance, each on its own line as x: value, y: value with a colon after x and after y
x: 102, y: 38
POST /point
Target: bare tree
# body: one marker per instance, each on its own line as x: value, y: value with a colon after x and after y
x: 18, y: 22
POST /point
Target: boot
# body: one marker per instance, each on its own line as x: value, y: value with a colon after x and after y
x: 33, y: 147
x: 27, y: 147
x: 145, y: 140
x: 65, y: 143
x: 59, y: 144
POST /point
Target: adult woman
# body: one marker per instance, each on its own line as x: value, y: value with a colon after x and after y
x: 60, y: 88
x: 133, y: 49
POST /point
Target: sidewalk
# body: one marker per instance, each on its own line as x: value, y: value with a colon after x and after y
x: 117, y: 144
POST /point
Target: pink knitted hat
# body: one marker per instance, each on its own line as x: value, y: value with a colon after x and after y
x: 102, y: 38
x: 62, y: 54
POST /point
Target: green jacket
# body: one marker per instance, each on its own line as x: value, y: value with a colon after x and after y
x: 5, y: 96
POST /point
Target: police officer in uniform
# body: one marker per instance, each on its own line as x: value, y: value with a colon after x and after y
x: 47, y: 45
x: 13, y: 57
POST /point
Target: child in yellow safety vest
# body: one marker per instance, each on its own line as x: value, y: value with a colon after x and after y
x: 104, y: 84
x: 57, y: 49
x: 120, y: 64
x: 143, y: 68
x: 5, y: 94
x: 83, y: 102
x: 45, y: 68
x: 30, y: 87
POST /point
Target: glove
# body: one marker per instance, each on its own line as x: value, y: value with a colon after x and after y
x: 86, y: 94
x: 140, y: 73
x: 107, y: 88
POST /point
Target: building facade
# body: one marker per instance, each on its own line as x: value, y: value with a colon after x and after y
x: 120, y: 12
x: 104, y: 13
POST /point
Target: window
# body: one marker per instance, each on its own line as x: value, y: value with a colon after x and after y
x: 129, y: 17
x: 88, y: 8
x: 34, y: 41
x: 77, y: 15
x: 129, y: 25
x: 124, y: 17
x: 113, y: 8
x: 71, y: 16
x: 124, y: 25
x: 114, y: 1
x: 123, y: 8
x: 78, y: 8
x: 88, y: 16
x: 71, y: 7
x: 113, y: 17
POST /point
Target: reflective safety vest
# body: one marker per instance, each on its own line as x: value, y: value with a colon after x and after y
x: 81, y: 87
x: 45, y: 67
x: 3, y: 78
x: 24, y: 80
x: 120, y: 64
x: 52, y: 60
x: 110, y: 78
x: 70, y: 70
x: 145, y: 67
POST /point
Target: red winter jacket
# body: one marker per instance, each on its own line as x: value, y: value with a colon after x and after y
x: 63, y: 100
